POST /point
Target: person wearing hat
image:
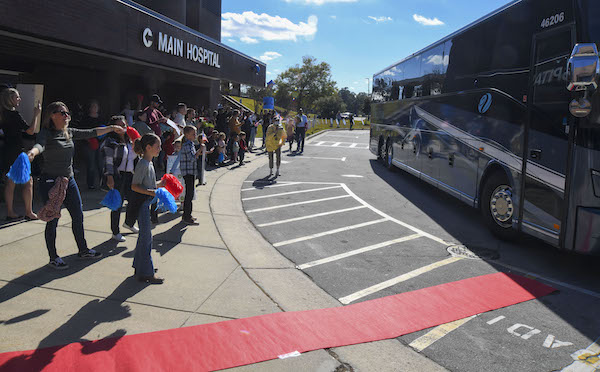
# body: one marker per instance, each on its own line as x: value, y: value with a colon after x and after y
x: 275, y: 138
x: 153, y: 115
x: 301, y: 125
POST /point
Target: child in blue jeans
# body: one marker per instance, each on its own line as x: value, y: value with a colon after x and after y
x: 144, y: 185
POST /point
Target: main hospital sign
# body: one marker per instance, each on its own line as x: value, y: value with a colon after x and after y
x: 171, y: 45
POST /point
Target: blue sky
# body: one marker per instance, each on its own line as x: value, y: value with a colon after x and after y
x: 356, y: 37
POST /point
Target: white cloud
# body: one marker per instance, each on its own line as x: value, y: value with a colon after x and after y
x: 252, y: 26
x: 248, y: 40
x: 269, y: 56
x: 438, y: 60
x: 333, y: 17
x: 231, y: 40
x: 381, y: 19
x: 269, y: 73
x: 319, y: 2
x: 427, y: 21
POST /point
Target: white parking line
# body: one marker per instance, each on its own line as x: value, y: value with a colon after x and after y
x: 330, y: 232
x: 399, y: 279
x: 291, y: 193
x: 318, y: 158
x: 353, y: 145
x: 311, y: 216
x: 382, y: 214
x: 271, y: 186
x: 357, y: 251
x: 299, y: 203
x: 336, y: 144
x: 437, y: 333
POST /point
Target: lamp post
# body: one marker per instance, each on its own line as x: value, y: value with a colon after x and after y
x: 368, y: 86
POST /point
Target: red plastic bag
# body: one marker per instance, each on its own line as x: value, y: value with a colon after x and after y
x: 133, y: 134
x: 94, y: 144
x: 172, y: 185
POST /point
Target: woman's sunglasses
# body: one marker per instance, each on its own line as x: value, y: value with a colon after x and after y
x: 63, y: 113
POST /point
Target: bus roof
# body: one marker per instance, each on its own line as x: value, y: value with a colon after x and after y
x: 455, y: 33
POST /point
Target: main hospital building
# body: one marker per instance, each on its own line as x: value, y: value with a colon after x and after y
x: 117, y: 50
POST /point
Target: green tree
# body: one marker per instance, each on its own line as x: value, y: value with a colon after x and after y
x: 301, y: 86
x: 328, y: 107
x: 363, y: 103
x: 349, y: 98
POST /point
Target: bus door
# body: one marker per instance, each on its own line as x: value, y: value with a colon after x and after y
x: 546, y: 153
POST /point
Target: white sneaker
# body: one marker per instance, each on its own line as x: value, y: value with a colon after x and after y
x: 277, y: 173
x: 271, y: 172
x: 119, y: 238
x: 132, y: 228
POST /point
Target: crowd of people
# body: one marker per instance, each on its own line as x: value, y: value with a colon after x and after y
x: 169, y: 143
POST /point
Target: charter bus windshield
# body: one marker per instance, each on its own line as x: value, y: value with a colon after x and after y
x: 504, y: 114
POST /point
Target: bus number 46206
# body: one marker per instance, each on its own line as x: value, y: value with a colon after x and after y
x: 554, y: 20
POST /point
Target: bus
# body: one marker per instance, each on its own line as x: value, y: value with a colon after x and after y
x: 504, y: 114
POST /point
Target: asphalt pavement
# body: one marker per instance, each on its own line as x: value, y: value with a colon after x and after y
x: 222, y: 269
x: 361, y: 231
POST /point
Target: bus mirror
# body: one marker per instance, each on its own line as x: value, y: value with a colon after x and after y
x: 580, y: 108
x: 583, y: 69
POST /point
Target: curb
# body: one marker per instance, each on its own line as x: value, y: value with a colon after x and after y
x: 292, y: 289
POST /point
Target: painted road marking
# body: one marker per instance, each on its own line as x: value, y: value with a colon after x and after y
x: 330, y: 232
x: 496, y: 320
x: 318, y: 158
x: 586, y: 360
x: 399, y: 279
x: 299, y: 203
x: 283, y: 184
x: 291, y: 193
x: 352, y: 176
x: 357, y: 251
x: 362, y: 147
x: 437, y: 333
x: 336, y: 144
x: 353, y: 145
x: 414, y: 229
x: 319, y: 143
x: 311, y: 216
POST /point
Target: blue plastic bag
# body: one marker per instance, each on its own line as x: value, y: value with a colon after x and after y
x: 20, y: 171
x: 164, y: 201
x: 112, y: 200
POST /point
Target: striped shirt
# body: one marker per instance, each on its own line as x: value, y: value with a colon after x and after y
x: 187, y: 162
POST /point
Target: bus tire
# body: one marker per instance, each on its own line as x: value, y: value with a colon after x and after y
x: 389, y: 155
x: 497, y: 206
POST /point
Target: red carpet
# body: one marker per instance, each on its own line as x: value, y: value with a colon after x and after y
x: 251, y: 340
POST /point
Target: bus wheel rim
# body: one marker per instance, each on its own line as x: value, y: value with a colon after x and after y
x: 502, y: 206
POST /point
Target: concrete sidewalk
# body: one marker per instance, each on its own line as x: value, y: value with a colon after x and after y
x: 220, y: 270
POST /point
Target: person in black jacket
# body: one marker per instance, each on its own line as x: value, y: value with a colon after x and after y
x: 119, y: 159
x: 13, y: 126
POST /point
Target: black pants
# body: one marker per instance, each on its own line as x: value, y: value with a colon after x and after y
x: 123, y: 185
x: 134, y: 204
x: 300, y: 135
x: 241, y: 153
x: 189, y: 195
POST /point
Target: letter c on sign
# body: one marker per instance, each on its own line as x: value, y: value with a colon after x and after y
x: 147, y: 37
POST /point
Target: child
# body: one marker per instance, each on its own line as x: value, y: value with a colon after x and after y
x: 290, y: 131
x: 221, y: 148
x: 235, y: 147
x: 188, y: 165
x: 243, y: 147
x: 173, y: 165
x: 144, y: 184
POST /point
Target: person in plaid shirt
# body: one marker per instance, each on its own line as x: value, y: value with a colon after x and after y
x: 187, y: 165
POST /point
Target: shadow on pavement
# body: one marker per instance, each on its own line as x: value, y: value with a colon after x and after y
x: 95, y: 312
x: 45, y: 275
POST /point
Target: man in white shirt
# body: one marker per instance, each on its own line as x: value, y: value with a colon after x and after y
x: 301, y: 130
